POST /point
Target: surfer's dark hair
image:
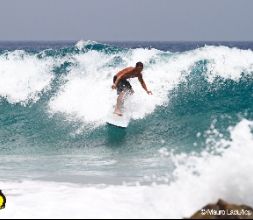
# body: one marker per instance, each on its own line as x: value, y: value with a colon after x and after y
x: 139, y: 64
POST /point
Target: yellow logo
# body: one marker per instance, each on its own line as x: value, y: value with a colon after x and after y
x: 2, y: 200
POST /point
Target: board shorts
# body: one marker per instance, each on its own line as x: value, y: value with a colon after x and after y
x: 123, y: 85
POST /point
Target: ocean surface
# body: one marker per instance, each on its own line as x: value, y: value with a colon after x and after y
x: 187, y: 145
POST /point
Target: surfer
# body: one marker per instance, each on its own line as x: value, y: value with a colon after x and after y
x: 123, y: 86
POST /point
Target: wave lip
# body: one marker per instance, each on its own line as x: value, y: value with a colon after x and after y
x: 23, y: 76
x: 83, y: 43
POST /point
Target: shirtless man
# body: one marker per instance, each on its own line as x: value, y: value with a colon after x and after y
x: 123, y: 86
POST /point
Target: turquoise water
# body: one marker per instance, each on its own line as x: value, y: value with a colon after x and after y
x: 56, y: 97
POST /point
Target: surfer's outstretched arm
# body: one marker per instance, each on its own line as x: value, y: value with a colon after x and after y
x: 143, y: 84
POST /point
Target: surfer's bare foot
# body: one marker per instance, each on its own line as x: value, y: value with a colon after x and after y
x: 118, y: 113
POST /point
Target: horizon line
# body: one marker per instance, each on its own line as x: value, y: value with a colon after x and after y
x: 128, y: 40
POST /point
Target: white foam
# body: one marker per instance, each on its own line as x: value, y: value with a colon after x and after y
x: 205, y: 178
x: 82, y: 43
x: 198, y: 180
x: 87, y: 94
x: 227, y: 63
x: 23, y: 76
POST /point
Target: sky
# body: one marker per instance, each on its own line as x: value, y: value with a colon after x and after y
x: 126, y: 20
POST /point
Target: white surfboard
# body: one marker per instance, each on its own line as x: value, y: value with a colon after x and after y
x: 119, y: 121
